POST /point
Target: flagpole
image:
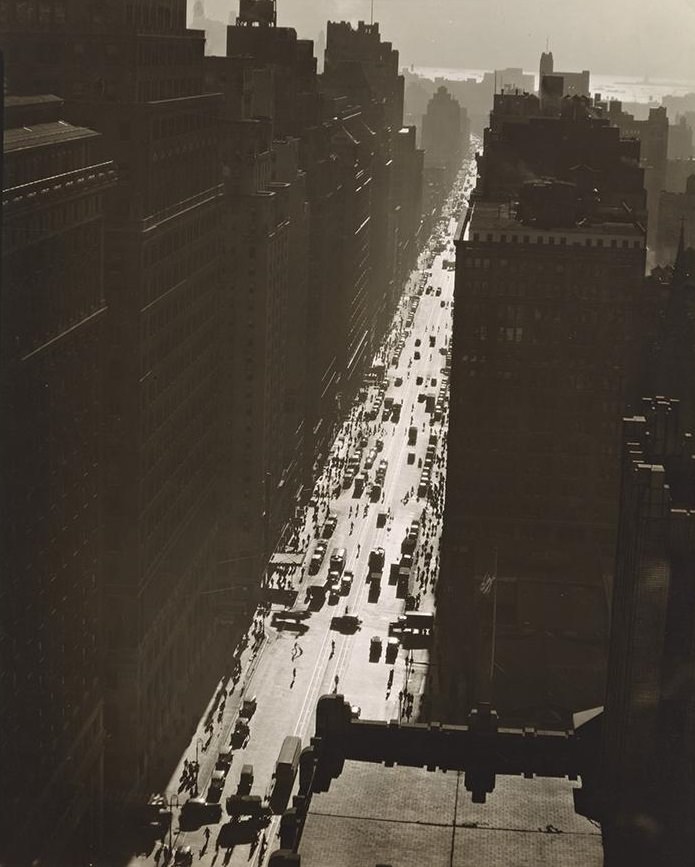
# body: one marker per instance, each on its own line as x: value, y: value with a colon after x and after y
x: 494, y: 623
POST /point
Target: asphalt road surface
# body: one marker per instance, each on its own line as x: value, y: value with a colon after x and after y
x: 288, y: 669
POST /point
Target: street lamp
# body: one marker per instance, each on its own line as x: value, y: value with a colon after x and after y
x: 197, y: 764
x: 173, y: 802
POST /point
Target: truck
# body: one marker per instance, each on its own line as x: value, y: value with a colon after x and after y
x: 413, y: 621
x: 376, y: 561
x: 287, y: 764
x: 403, y: 582
x: 430, y: 401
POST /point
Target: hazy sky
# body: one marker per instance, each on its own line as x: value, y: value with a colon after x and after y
x: 632, y: 37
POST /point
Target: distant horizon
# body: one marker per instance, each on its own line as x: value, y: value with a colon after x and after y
x: 612, y: 86
x: 641, y: 39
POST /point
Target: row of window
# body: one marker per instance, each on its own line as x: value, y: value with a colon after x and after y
x: 28, y: 13
x: 180, y: 124
x: 561, y: 241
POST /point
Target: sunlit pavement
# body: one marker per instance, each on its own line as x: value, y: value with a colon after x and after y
x: 288, y: 672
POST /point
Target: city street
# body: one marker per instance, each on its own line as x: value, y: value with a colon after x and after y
x: 289, y: 665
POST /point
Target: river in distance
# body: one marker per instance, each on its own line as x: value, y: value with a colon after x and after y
x: 623, y: 87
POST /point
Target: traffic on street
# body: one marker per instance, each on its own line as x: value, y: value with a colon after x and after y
x: 348, y: 607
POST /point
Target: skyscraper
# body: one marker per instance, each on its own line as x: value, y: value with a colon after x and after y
x: 52, y: 363
x: 547, y: 327
x: 135, y: 73
x: 646, y: 788
x: 443, y: 134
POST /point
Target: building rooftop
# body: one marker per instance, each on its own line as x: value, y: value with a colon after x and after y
x: 500, y: 217
x: 412, y: 817
x: 42, y: 134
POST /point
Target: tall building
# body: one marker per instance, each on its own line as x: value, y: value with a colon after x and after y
x: 647, y: 784
x: 443, y: 133
x: 546, y: 337
x: 653, y: 135
x: 52, y: 335
x: 295, y: 106
x: 363, y: 68
x: 264, y: 310
x: 569, y: 83
x: 676, y: 212
x: 135, y: 73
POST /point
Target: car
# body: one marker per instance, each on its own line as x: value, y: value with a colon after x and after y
x: 433, y: 380
x: 418, y: 341
x: 346, y: 582
x: 379, y: 445
x: 329, y: 526
x: 392, y: 646
x: 381, y: 519
x: 224, y: 759
x: 197, y: 811
x: 240, y: 734
x: 245, y: 780
x: 407, y: 560
x: 398, y: 381
x: 248, y: 707
x: 333, y: 576
x: 183, y: 856
x: 334, y: 596
x: 416, y: 355
x: 216, y: 786
x: 321, y: 548
x: 407, y: 545
x: 375, y: 648
x: 419, y: 381
x: 375, y: 493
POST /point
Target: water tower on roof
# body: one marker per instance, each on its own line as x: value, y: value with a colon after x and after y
x: 262, y: 13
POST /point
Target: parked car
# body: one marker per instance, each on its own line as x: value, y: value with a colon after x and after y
x: 248, y: 707
x: 224, y: 759
x: 216, y: 786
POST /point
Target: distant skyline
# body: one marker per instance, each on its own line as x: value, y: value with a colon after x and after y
x: 606, y: 36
